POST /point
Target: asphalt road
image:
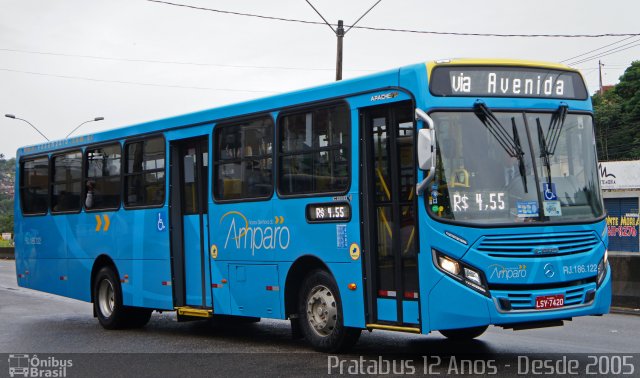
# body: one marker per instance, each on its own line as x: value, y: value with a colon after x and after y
x: 35, y: 322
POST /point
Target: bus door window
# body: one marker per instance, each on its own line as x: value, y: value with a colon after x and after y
x: 192, y: 178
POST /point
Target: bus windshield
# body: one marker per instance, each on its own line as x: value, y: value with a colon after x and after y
x: 515, y: 167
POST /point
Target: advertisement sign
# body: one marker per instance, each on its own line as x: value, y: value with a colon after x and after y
x: 623, y: 223
x: 619, y: 174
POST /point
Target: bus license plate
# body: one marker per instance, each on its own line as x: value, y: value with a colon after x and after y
x: 549, y: 301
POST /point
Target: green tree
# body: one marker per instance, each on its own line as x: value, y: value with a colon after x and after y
x: 7, y: 177
x: 617, y: 117
x: 6, y: 222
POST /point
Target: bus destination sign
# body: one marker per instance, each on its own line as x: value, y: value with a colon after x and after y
x: 507, y: 82
x: 328, y: 212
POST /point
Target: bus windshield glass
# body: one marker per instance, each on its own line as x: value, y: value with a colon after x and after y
x: 515, y: 167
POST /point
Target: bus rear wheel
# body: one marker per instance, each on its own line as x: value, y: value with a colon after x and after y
x: 463, y: 334
x: 321, y: 318
x: 107, y: 303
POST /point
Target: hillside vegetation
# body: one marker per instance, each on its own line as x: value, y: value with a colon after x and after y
x: 7, y: 179
x: 617, y: 117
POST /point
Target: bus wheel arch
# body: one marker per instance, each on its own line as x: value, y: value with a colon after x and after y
x: 321, y: 315
x: 300, y: 269
x: 106, y: 296
x: 99, y: 263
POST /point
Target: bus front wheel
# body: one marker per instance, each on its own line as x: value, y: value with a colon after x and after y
x: 107, y: 303
x: 321, y: 318
x: 463, y: 334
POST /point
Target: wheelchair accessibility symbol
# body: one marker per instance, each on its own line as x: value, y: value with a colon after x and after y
x: 549, y: 192
x: 161, y: 224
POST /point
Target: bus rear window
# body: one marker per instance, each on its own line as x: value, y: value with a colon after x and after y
x: 66, y: 187
x: 144, y: 173
x: 34, y: 184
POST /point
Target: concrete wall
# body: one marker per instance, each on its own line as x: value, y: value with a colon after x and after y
x: 625, y: 268
x: 6, y: 253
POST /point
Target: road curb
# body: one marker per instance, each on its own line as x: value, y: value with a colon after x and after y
x: 626, y: 311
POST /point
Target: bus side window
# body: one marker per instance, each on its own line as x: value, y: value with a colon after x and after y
x: 243, y: 160
x: 34, y: 185
x: 66, y: 185
x: 144, y: 173
x: 313, y: 155
x: 103, y: 177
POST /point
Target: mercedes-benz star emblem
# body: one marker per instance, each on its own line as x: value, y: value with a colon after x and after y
x: 549, y: 270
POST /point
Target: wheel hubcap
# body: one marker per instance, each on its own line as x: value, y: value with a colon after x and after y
x: 322, y: 311
x: 106, y: 298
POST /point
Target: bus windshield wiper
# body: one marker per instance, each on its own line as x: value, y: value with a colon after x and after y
x: 511, y: 145
x: 544, y: 151
x: 549, y: 143
x: 521, y: 168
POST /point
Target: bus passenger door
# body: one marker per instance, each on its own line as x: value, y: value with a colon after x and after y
x: 389, y: 214
x: 189, y: 193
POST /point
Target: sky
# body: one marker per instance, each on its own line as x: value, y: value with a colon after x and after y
x: 64, y: 62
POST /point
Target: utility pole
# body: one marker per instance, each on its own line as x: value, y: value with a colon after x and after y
x: 605, y: 145
x: 340, y: 35
x: 600, y: 72
x: 340, y: 32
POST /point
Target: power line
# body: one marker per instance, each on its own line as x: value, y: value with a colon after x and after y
x: 602, y: 35
x: 322, y: 17
x: 98, y: 57
x: 599, y: 48
x: 582, y: 60
x: 133, y: 82
x: 361, y: 17
x: 606, y: 53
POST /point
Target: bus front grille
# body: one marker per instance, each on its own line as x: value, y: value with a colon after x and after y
x: 538, y: 245
x: 517, y: 300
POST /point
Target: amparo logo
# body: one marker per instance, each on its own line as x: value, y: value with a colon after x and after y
x: 256, y: 235
x: 501, y: 272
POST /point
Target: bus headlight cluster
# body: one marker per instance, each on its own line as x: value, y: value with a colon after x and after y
x: 603, y: 266
x: 460, y: 271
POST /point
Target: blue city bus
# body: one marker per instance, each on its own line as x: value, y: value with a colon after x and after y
x: 447, y: 196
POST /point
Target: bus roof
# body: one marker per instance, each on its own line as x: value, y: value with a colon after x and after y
x: 382, y: 80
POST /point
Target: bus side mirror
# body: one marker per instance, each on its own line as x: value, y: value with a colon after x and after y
x: 426, y: 150
x: 425, y: 146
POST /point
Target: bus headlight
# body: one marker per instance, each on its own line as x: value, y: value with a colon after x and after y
x: 462, y: 272
x: 603, y: 266
x: 448, y: 265
x: 473, y: 276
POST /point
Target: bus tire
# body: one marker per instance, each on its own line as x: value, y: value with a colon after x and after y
x: 463, y: 334
x: 107, y: 303
x: 321, y: 317
x: 138, y: 317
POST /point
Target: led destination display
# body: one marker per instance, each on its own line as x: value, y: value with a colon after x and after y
x: 507, y: 82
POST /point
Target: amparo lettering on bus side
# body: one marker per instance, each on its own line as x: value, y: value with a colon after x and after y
x: 256, y: 237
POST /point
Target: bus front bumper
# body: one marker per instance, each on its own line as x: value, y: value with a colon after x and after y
x: 453, y: 305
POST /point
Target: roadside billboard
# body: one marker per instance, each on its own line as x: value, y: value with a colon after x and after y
x: 619, y: 174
